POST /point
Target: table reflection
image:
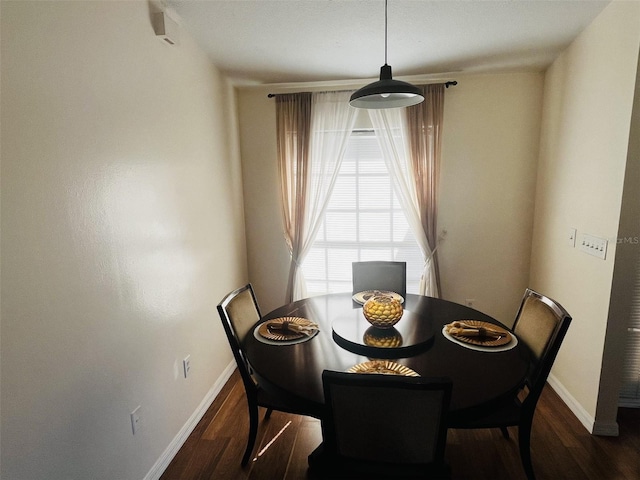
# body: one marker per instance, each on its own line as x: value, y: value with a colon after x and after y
x: 412, y: 335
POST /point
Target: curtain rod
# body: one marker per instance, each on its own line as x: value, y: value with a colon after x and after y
x: 451, y: 83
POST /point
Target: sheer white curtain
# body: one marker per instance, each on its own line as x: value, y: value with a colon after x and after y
x: 332, y: 120
x: 392, y: 132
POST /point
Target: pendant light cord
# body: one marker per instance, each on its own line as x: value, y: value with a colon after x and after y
x: 385, y: 31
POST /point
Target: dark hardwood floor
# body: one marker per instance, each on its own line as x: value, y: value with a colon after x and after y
x: 561, y: 447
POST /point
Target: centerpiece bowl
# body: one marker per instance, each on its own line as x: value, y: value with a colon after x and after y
x: 382, y: 311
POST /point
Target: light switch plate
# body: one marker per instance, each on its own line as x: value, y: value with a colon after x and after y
x: 571, y: 238
x: 593, y: 245
x: 136, y: 420
x: 186, y: 366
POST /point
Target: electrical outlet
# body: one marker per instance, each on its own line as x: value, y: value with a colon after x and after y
x: 136, y: 420
x: 186, y: 365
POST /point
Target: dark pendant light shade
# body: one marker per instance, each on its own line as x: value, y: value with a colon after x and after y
x: 386, y: 93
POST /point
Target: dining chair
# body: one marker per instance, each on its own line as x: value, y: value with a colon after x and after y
x: 239, y: 313
x: 379, y: 425
x: 541, y: 324
x: 380, y: 275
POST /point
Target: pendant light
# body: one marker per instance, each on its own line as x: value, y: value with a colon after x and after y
x: 386, y: 92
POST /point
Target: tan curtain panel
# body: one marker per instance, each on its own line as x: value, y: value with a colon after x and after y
x: 293, y: 130
x: 425, y: 149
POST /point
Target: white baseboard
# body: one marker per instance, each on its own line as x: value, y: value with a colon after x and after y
x: 578, y: 410
x: 163, y: 462
x: 594, y: 427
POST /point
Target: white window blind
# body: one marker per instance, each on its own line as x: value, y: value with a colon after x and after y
x: 363, y: 221
x: 630, y: 391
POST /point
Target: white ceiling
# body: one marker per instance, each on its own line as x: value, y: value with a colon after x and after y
x: 287, y: 41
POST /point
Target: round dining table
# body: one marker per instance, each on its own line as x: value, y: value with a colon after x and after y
x: 293, y: 371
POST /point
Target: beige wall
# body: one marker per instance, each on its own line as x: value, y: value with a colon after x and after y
x: 490, y: 151
x: 585, y: 133
x: 122, y: 227
x: 267, y: 256
x: 489, y: 161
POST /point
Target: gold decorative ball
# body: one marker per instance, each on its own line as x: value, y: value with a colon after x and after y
x: 382, y: 311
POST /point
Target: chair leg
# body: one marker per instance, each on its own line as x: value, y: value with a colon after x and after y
x: 524, y: 443
x: 268, y: 414
x: 253, y: 430
x: 505, y: 432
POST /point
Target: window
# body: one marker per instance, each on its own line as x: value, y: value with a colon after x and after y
x: 363, y: 221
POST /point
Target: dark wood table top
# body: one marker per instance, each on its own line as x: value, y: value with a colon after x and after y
x: 294, y: 372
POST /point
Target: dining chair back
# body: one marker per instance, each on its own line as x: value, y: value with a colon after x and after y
x: 242, y: 310
x: 379, y: 275
x: 383, y: 424
x: 239, y: 312
x: 541, y: 324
